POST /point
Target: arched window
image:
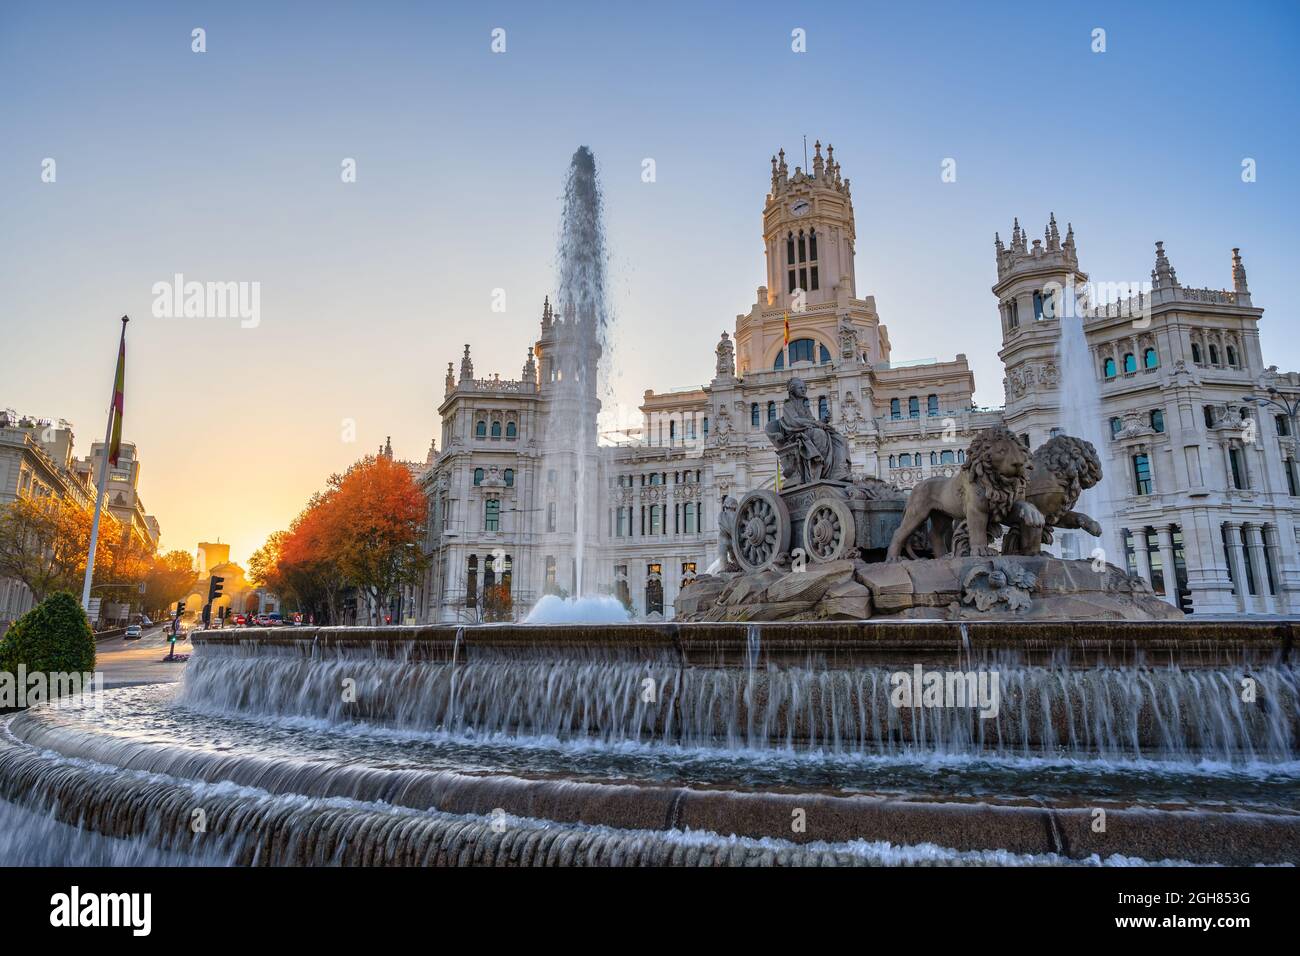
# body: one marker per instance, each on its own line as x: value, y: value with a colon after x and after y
x: 961, y: 455
x: 753, y: 415
x: 802, y: 350
x: 510, y: 477
x: 934, y: 458
x: 905, y: 460
x: 1150, y: 359
x: 478, y: 477
x: 1232, y: 356
x: 492, y: 514
x: 672, y: 432
x: 496, y: 429
x: 823, y: 408
x: 1115, y: 427
x: 913, y: 407
x: 1214, y: 355
x: 895, y: 409
x: 512, y: 430
x: 771, y: 411
x: 893, y: 462
x: 1108, y: 368
x: 1130, y: 363
x: 1196, y: 353
x: 932, y: 405
x: 946, y: 457
x: 480, y: 430
x: 1157, y: 420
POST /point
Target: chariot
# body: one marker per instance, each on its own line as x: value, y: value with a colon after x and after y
x: 827, y: 520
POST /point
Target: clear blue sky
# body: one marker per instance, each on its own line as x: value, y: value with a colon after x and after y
x: 225, y: 166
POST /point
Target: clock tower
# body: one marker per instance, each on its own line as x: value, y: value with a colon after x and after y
x: 808, y: 233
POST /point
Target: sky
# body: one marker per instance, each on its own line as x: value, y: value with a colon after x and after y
x: 227, y: 166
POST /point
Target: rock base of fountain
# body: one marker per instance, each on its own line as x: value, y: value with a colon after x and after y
x: 1040, y: 588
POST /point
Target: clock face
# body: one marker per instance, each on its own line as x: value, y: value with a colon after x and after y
x: 800, y: 206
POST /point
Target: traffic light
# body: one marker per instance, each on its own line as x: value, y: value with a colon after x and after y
x: 180, y: 608
x: 215, y: 584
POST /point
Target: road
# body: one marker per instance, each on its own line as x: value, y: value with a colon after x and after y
x: 125, y: 663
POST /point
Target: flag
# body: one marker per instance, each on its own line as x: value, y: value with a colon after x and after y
x: 119, y: 397
x: 787, y: 328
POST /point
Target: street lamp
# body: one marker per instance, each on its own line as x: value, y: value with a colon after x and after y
x: 1291, y: 407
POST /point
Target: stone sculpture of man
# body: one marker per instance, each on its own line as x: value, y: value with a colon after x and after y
x: 727, y: 535
x: 809, y: 450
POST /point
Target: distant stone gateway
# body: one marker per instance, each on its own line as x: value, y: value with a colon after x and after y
x: 824, y: 546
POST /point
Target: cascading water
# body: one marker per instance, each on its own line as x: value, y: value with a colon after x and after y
x: 575, y: 356
x: 1081, y: 416
x: 666, y: 745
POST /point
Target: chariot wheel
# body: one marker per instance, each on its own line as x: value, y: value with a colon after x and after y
x: 829, y: 532
x: 762, y: 530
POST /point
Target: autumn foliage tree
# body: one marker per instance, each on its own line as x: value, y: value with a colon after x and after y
x: 363, y: 532
x: 44, y: 542
x: 170, y: 578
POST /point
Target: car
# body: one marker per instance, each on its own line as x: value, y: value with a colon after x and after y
x: 133, y: 632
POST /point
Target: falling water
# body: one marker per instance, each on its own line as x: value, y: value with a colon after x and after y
x: 579, y: 355
x: 1081, y: 417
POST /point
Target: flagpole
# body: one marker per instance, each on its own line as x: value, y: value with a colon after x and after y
x: 103, y: 482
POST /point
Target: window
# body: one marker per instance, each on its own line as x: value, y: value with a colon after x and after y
x: 1208, y: 412
x: 905, y: 460
x: 1130, y: 363
x: 1283, y: 425
x: 1150, y: 359
x: 823, y: 408
x: 895, y: 409
x: 654, y: 589
x: 550, y: 516
x: 496, y: 429
x: 1142, y: 474
x: 478, y: 477
x: 932, y: 405
x: 753, y: 415
x: 946, y: 457
x: 672, y: 432
x: 1157, y: 421
x: 893, y: 463
x: 1108, y: 368
x: 654, y: 519
x: 492, y: 514
x: 1013, y: 314
x: 1196, y: 353
x: 934, y: 458
x: 480, y: 430
x: 771, y: 411
x: 1116, y: 426
x: 1214, y: 355
x: 1232, y: 356
x: 802, y: 350
x: 1038, y: 306
x: 913, y: 407
x: 510, y: 477
x: 706, y: 427
x: 1238, y: 468
x: 690, y: 519
x: 1290, y: 476
x: 512, y: 430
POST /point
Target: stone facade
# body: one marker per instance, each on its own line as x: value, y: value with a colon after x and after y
x: 497, y: 524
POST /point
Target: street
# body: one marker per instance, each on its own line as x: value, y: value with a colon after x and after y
x: 125, y: 663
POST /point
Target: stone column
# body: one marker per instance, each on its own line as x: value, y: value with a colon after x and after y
x: 1255, y: 541
x: 1273, y: 545
x: 1165, y: 538
x: 1237, y: 562
x: 1140, y: 548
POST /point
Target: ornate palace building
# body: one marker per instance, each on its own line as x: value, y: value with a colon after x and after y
x: 1200, y: 492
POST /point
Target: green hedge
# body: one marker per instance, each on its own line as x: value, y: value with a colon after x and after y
x: 52, y: 637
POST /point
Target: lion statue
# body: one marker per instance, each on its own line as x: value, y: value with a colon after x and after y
x: 1063, y: 468
x: 987, y: 491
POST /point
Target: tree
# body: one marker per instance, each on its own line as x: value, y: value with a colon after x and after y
x: 170, y: 578
x: 53, y: 637
x: 376, y: 516
x: 44, y: 543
